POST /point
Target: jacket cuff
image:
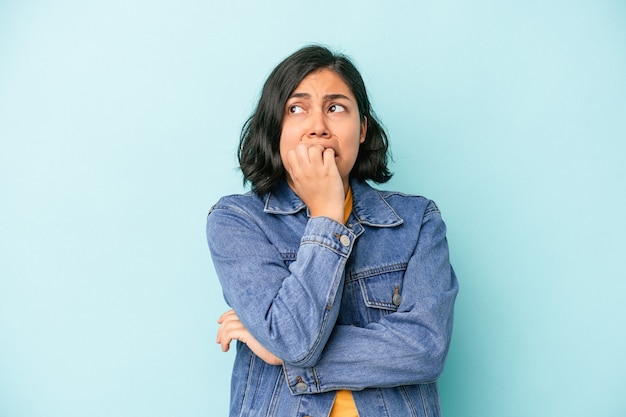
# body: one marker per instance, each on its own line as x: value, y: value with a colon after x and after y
x: 301, y: 380
x: 329, y: 233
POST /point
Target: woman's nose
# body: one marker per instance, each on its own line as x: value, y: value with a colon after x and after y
x: 319, y: 126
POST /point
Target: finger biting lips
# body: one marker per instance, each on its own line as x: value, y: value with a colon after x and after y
x: 331, y: 148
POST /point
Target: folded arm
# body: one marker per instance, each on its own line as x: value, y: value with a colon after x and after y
x: 405, y: 347
x: 291, y: 311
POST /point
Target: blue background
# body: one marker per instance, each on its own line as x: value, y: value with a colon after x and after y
x: 119, y: 122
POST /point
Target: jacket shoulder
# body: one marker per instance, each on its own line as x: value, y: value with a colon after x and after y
x: 414, y: 202
x: 238, y: 202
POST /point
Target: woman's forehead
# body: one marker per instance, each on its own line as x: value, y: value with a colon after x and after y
x: 324, y: 81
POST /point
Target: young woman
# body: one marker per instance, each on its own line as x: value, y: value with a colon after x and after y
x: 342, y: 295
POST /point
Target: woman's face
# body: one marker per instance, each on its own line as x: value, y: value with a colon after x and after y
x: 323, y: 111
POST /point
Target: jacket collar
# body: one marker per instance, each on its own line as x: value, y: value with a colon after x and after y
x: 368, y: 206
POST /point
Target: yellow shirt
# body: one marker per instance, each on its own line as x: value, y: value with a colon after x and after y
x: 344, y: 403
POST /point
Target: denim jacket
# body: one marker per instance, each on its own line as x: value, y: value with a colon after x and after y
x: 366, y: 306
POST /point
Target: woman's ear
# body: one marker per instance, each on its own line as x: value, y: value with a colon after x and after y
x: 363, y: 130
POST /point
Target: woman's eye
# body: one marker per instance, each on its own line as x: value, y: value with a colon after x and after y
x: 336, y: 108
x: 295, y: 109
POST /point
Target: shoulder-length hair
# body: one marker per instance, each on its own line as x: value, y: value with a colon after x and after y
x: 259, y: 145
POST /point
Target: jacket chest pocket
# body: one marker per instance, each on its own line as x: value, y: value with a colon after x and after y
x: 379, y: 292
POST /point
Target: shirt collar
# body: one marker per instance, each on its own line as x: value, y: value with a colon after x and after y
x: 369, y: 206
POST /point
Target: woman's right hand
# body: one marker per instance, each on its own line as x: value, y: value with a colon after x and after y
x: 314, y: 177
x: 231, y: 328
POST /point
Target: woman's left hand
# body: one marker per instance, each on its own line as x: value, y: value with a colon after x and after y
x: 231, y: 329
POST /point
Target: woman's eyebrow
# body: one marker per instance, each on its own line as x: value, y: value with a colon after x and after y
x: 327, y: 97
x: 300, y: 95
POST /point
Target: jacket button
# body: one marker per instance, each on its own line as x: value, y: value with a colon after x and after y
x: 397, y: 299
x: 345, y: 240
x: 302, y: 386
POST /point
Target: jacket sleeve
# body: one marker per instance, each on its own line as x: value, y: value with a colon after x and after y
x: 403, y: 348
x: 291, y: 310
